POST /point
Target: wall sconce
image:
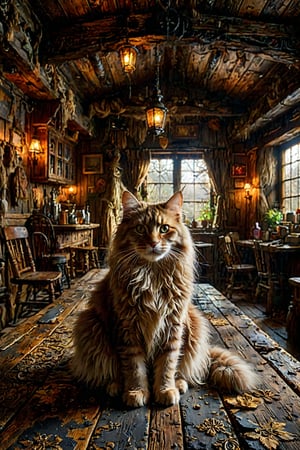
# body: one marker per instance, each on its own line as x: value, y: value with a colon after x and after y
x: 247, y: 188
x: 156, y: 113
x: 35, y: 149
x: 128, y: 56
x: 72, y: 194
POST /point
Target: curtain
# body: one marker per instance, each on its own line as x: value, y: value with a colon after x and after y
x: 218, y: 163
x: 135, y: 165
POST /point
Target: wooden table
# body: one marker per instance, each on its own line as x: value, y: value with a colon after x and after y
x: 71, y: 238
x: 42, y: 406
x: 76, y: 234
x: 283, y: 262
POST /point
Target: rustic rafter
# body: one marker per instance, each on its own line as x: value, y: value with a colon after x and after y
x: 273, y: 41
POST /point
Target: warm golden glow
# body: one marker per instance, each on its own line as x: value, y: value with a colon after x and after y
x: 128, y: 56
x: 156, y: 118
x: 72, y: 190
x: 35, y: 146
x: 247, y: 188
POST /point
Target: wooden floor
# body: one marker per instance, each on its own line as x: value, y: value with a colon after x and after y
x: 274, y: 326
x: 43, y: 407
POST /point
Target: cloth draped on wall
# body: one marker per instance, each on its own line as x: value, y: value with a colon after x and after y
x: 135, y: 164
x: 217, y: 161
x: 266, y: 167
x: 107, y: 204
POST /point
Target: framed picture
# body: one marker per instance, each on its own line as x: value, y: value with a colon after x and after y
x: 238, y: 170
x: 239, y: 184
x: 186, y: 131
x: 92, y: 164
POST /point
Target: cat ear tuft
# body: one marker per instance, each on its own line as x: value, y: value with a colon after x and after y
x: 129, y: 202
x: 175, y: 202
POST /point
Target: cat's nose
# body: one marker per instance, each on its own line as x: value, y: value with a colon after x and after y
x: 153, y: 244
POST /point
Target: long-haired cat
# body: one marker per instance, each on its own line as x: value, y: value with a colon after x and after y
x: 141, y: 333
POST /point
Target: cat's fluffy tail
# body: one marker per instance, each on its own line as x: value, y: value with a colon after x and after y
x: 230, y: 372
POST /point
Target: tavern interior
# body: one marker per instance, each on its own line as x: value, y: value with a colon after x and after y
x: 74, y: 134
x: 228, y: 74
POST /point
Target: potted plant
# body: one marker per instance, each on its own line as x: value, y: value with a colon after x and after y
x: 272, y: 218
x: 206, y: 215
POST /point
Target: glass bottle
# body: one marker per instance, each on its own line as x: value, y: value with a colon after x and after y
x: 87, y: 214
x: 257, y: 231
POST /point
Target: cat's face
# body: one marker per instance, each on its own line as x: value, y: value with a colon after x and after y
x: 153, y: 231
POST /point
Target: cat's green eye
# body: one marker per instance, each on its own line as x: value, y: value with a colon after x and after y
x: 164, y: 229
x: 140, y: 229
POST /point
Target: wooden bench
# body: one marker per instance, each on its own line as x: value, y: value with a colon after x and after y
x: 43, y: 407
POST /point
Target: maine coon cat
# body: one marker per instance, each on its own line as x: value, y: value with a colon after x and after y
x: 141, y: 335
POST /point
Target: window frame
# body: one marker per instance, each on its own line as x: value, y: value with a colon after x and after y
x: 177, y: 157
x: 284, y: 199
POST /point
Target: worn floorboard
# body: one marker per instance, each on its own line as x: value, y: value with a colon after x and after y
x: 43, y: 407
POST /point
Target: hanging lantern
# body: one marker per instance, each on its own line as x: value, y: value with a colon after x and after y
x: 128, y: 55
x: 156, y: 113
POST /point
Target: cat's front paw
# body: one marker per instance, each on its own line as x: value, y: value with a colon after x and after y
x: 136, y: 398
x: 182, y: 385
x: 168, y: 397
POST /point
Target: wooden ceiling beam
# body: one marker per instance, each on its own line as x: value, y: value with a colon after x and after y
x: 274, y: 132
x: 185, y: 111
x: 277, y: 42
x: 265, y: 117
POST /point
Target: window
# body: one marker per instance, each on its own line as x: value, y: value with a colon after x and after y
x: 291, y: 178
x: 180, y: 172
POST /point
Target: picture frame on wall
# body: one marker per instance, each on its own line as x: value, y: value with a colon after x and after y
x: 239, y: 170
x: 92, y: 164
x: 239, y: 184
x: 186, y: 131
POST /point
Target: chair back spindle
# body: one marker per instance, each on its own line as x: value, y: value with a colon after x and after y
x: 23, y: 270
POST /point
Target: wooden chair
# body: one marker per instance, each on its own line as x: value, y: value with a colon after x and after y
x: 24, y: 271
x: 270, y: 280
x: 263, y: 275
x: 44, y: 246
x: 239, y: 276
x: 293, y: 316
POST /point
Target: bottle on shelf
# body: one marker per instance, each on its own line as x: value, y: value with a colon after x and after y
x: 45, y: 209
x: 257, y: 231
x: 87, y: 214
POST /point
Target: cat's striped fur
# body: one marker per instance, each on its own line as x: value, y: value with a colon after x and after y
x: 141, y: 335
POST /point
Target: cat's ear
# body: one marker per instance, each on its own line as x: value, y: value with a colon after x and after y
x: 129, y: 202
x: 174, y: 204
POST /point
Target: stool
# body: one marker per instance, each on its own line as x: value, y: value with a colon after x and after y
x: 83, y: 259
x: 293, y: 316
x: 58, y: 261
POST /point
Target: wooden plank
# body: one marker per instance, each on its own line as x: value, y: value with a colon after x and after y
x: 279, y: 359
x: 29, y: 373
x: 27, y: 362
x: 205, y: 420
x: 57, y: 416
x: 78, y: 292
x: 122, y: 428
x: 279, y: 402
x: 165, y: 428
x: 42, y: 406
